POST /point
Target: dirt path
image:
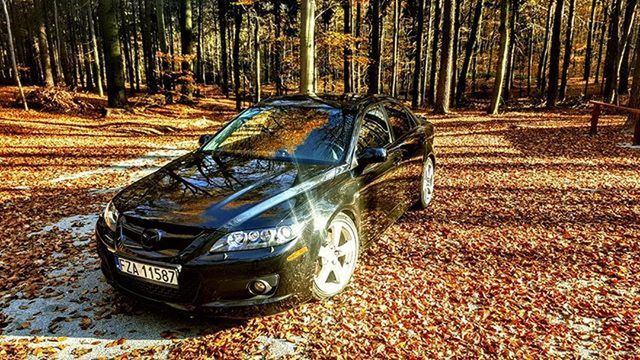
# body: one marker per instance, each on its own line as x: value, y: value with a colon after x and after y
x: 530, y: 248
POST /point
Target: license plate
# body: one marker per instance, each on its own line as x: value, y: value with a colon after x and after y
x: 154, y: 273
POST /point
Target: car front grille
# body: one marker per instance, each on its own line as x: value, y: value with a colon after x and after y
x: 185, y: 293
x: 171, y: 244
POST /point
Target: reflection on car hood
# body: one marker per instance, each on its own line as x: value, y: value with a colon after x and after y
x: 208, y: 191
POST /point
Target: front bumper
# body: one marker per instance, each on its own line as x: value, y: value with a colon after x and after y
x: 220, y: 285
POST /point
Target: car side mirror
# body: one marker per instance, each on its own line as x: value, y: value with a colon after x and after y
x: 204, y: 139
x: 372, y: 155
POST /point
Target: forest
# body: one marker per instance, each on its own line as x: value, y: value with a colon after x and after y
x: 529, y: 248
x: 433, y: 53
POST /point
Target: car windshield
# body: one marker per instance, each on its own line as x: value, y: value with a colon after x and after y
x: 310, y: 134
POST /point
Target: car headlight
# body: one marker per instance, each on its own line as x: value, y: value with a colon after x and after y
x: 110, y: 216
x: 257, y: 238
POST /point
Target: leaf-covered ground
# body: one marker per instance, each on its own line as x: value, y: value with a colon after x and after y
x: 530, y: 247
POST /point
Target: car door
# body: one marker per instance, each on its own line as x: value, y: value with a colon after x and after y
x: 376, y: 198
x: 408, y: 145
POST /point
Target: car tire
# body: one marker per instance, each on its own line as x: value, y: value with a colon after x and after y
x: 427, y: 182
x: 337, y: 258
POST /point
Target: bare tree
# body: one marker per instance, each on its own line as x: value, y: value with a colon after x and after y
x: 43, y: 45
x: 167, y: 78
x: 498, y: 85
x: 634, y: 99
x: 394, y: 49
x: 16, y: 74
x: 554, y: 59
x: 95, y: 52
x: 307, y: 47
x: 375, y: 50
x: 415, y: 92
x: 443, y: 97
x: 347, y: 69
x: 568, y: 43
x: 472, y: 42
x: 187, y: 43
x: 112, y: 55
x: 544, y: 55
x: 257, y: 60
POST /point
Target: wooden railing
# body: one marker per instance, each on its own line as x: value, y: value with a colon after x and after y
x: 597, y: 109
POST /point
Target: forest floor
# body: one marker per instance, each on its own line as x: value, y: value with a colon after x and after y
x: 529, y: 248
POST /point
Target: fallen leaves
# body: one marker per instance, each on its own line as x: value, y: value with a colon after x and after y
x: 528, y: 250
x: 85, y: 323
x: 117, y: 342
x: 78, y: 352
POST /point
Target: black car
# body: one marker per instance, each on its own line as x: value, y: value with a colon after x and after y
x: 275, y: 208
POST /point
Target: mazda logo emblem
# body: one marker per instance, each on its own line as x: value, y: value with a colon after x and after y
x: 151, y: 237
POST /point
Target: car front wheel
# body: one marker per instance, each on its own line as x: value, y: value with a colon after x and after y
x: 337, y: 257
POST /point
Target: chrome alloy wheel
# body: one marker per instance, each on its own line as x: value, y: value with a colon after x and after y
x: 428, y: 178
x: 337, y: 257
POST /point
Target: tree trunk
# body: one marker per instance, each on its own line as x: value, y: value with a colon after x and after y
x: 505, y: 28
x: 474, y: 68
x: 417, y: 72
x: 472, y: 42
x: 237, y: 16
x: 357, y: 80
x: 136, y: 47
x: 374, y: 52
x: 511, y: 51
x: 634, y: 99
x: 126, y: 38
x: 257, y: 60
x: 554, y: 59
x: 443, y: 97
x: 94, y: 50
x: 428, y: 61
x: 43, y: 45
x: 307, y: 46
x: 623, y: 78
x: 455, y: 54
x: 53, y: 49
x: 544, y: 55
x: 62, y: 49
x: 347, y: 67
x: 75, y: 63
x: 112, y: 55
x: 147, y: 47
x: 200, y: 52
x: 277, y: 59
x: 568, y: 43
x: 434, y: 51
x: 167, y: 77
x: 627, y: 24
x: 603, y: 30
x: 589, y: 49
x: 86, y: 52
x: 223, y: 9
x: 394, y: 48
x: 530, y: 61
x: 186, y: 42
x: 609, y: 73
x: 12, y: 51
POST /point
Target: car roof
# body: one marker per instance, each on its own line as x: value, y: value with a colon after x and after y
x: 346, y: 102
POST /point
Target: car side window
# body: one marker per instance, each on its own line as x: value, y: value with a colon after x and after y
x: 400, y: 121
x: 374, y: 131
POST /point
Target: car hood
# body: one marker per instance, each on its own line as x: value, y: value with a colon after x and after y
x: 209, y: 191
